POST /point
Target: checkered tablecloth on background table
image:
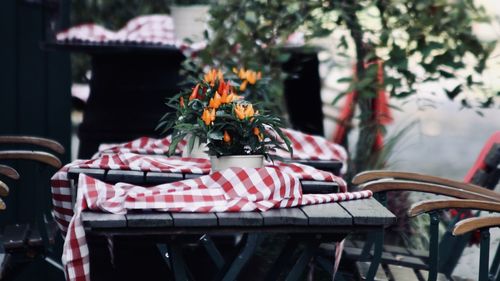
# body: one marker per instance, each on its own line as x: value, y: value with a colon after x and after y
x: 147, y: 29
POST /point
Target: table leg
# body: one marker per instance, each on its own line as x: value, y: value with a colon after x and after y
x: 297, y: 270
x: 177, y: 260
x: 212, y: 251
x: 163, y: 249
x: 283, y: 258
x: 377, y: 254
x: 234, y: 268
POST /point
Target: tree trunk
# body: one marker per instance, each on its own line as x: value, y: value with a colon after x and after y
x: 368, y: 128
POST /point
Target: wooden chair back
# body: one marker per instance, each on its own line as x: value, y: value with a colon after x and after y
x: 486, y: 173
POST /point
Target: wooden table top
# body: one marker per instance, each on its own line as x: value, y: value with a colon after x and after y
x: 348, y: 216
x: 343, y: 217
x: 155, y: 178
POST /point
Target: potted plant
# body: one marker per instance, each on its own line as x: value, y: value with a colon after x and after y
x: 214, y: 112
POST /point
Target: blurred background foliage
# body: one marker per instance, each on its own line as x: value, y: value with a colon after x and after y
x: 418, y: 41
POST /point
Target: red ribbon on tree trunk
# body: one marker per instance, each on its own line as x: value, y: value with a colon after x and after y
x: 381, y: 113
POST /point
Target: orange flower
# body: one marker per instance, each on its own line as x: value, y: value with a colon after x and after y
x: 242, y: 73
x: 247, y: 76
x: 194, y: 94
x: 224, y: 87
x: 230, y: 98
x: 225, y: 98
x: 208, y: 116
x: 213, y: 75
x: 215, y: 101
x: 239, y: 111
x: 212, y: 114
x: 243, y: 85
x: 251, y: 77
x: 205, y: 116
x: 181, y: 102
x: 243, y: 112
x: 249, y: 112
x: 227, y: 137
x: 256, y: 132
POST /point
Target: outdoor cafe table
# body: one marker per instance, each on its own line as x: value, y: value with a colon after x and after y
x: 129, y: 84
x: 307, y: 225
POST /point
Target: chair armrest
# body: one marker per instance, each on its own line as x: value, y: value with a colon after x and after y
x: 39, y: 156
x: 471, y: 224
x: 368, y: 176
x: 405, y: 185
x: 440, y: 204
x: 4, y: 189
x: 42, y: 142
x: 9, y: 172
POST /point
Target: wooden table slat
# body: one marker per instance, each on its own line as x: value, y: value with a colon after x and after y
x: 327, y: 214
x: 333, y: 166
x: 289, y: 216
x: 194, y: 219
x: 240, y: 219
x: 99, y: 174
x: 149, y: 219
x: 319, y: 187
x: 103, y: 220
x: 368, y: 212
x: 161, y: 178
x: 192, y: 176
x: 134, y: 177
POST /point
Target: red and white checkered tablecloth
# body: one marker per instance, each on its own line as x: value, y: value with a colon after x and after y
x: 61, y: 191
x: 277, y: 185
x: 231, y: 190
x: 305, y: 147
x: 143, y: 29
x: 148, y: 29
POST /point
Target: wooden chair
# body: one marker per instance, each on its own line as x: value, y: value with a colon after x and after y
x: 27, y: 243
x: 406, y: 264
x: 9, y: 172
x: 483, y: 224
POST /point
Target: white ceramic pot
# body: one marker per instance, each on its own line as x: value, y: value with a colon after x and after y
x: 199, y: 150
x: 236, y: 161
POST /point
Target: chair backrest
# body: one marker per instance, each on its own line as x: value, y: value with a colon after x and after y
x: 36, y: 165
x: 481, y: 163
x: 486, y: 173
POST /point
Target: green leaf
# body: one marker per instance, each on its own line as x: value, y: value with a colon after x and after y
x: 216, y: 135
x: 338, y: 97
x: 283, y: 57
x: 176, y: 138
x: 343, y: 43
x: 191, y: 143
x: 345, y: 80
x: 403, y: 94
x: 453, y: 93
x: 364, y: 83
x: 446, y: 74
